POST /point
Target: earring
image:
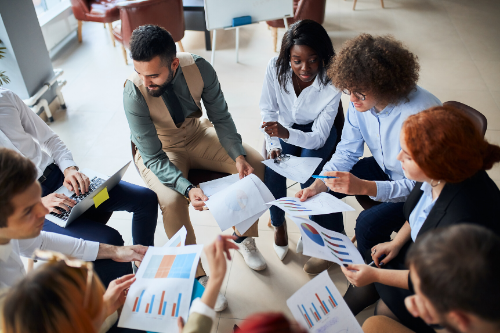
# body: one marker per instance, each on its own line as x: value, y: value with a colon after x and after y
x: 439, y: 182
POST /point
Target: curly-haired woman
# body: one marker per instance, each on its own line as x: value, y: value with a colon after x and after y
x: 380, y: 76
x: 298, y: 106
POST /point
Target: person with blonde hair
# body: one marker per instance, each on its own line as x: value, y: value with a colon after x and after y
x: 63, y: 295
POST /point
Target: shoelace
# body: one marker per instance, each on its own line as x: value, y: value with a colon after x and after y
x: 250, y: 246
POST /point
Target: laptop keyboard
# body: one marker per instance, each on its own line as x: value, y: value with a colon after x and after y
x: 94, y: 183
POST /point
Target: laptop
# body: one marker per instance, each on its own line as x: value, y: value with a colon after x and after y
x: 84, y: 201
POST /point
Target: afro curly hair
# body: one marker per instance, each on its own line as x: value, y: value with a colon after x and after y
x: 379, y: 65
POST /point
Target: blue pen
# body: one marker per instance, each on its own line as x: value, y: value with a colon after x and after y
x: 380, y: 258
x: 322, y: 177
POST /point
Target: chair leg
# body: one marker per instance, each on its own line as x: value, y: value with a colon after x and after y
x: 382, y: 3
x: 110, y: 26
x: 31, y: 263
x: 125, y: 54
x: 274, y: 33
x: 79, y: 31
x: 104, y: 25
x: 181, y: 48
x: 353, y: 239
x: 354, y: 6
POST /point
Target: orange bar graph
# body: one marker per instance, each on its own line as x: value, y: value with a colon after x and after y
x: 331, y: 300
x: 173, y: 310
x: 161, y: 302
x: 321, y: 303
x: 135, y: 304
x: 316, y: 315
x: 147, y: 308
x: 308, y: 321
x: 165, y: 265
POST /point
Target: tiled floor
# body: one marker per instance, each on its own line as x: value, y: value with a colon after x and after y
x: 459, y: 50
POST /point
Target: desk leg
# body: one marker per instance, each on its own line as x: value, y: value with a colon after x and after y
x: 213, y: 47
x: 208, y: 42
x: 237, y: 43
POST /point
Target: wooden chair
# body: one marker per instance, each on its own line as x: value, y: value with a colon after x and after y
x: 168, y: 14
x: 102, y: 11
x: 303, y: 9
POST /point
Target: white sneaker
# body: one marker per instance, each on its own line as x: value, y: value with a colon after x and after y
x: 221, y: 303
x: 251, y: 254
x: 300, y: 247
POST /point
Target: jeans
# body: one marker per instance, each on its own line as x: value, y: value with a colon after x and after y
x: 374, y: 225
x: 138, y: 200
x: 277, y: 183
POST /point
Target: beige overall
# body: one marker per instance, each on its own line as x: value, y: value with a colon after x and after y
x: 192, y: 145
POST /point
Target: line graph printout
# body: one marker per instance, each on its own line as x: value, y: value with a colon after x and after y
x: 162, y: 291
x: 319, y: 307
x: 298, y: 169
x: 240, y: 202
x: 326, y: 244
x: 322, y: 203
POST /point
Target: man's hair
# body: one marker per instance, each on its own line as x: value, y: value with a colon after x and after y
x: 149, y: 41
x: 458, y: 268
x: 379, y: 65
x: 17, y: 173
x: 309, y: 33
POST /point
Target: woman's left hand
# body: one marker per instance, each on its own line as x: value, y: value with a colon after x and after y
x: 115, y: 295
x: 275, y: 129
x: 360, y: 275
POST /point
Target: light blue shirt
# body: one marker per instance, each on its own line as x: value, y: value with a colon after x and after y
x: 380, y: 131
x: 421, y: 211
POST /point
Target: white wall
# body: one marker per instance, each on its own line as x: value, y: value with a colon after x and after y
x: 57, y: 24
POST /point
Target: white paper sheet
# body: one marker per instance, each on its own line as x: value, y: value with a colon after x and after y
x: 322, y: 203
x: 236, y: 203
x: 319, y: 307
x: 213, y: 186
x: 162, y: 291
x: 326, y: 244
x: 242, y: 227
x: 298, y: 169
x: 177, y: 240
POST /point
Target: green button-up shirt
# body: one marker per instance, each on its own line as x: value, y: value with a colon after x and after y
x: 143, y: 132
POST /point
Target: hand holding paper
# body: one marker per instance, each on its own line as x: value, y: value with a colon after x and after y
x: 322, y: 203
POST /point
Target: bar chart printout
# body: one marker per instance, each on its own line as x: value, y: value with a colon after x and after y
x: 163, y: 289
x: 319, y: 307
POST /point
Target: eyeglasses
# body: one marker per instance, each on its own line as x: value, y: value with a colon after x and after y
x: 281, y: 158
x: 359, y: 96
x: 75, y: 263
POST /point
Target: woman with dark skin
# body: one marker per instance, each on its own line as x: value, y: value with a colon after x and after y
x: 298, y: 106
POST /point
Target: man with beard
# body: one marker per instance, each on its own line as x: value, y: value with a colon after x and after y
x: 162, y: 101
x: 454, y: 274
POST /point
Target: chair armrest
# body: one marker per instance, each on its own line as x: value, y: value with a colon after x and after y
x: 299, y: 9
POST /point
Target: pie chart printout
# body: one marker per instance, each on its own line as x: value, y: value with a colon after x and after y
x: 313, y: 234
x: 236, y: 200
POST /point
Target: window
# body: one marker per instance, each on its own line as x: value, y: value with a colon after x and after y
x: 43, y: 6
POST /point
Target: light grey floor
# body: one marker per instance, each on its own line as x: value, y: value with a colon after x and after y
x: 459, y: 51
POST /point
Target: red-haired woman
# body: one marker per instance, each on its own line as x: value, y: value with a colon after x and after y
x: 270, y: 322
x: 446, y: 154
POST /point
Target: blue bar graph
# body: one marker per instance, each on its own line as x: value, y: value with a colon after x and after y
x: 164, y: 307
x: 333, y: 298
x: 178, y: 305
x: 327, y: 309
x: 139, y: 304
x: 307, y: 314
x: 152, y: 301
x: 317, y: 312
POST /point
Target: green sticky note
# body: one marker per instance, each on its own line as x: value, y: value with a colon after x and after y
x: 101, y: 197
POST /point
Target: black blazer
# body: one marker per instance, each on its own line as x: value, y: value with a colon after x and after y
x: 475, y: 200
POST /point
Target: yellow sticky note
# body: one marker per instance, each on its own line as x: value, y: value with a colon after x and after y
x: 101, y: 197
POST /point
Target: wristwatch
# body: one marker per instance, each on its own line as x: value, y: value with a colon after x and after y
x: 186, y: 194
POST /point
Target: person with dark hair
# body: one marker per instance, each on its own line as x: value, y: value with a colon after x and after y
x: 445, y: 153
x: 162, y: 101
x: 380, y: 76
x: 22, y: 217
x: 27, y: 134
x: 298, y: 106
x: 454, y: 275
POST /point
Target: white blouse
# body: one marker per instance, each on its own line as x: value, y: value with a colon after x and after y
x: 316, y: 103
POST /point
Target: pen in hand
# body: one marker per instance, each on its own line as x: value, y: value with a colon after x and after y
x: 322, y: 177
x: 380, y: 258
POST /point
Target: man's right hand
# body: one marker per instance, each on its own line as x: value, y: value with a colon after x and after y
x: 57, y: 203
x: 317, y: 187
x: 197, y: 198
